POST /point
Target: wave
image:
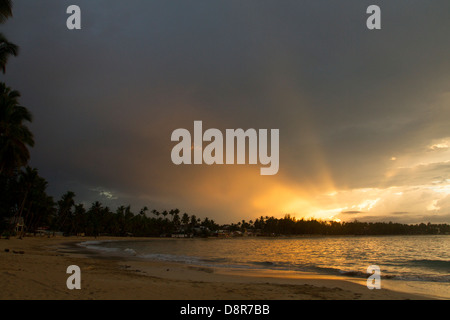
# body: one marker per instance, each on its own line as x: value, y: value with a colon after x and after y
x: 391, y: 274
x: 98, y: 246
x: 130, y: 251
x: 440, y: 265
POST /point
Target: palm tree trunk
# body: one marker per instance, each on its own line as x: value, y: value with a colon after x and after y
x: 21, y: 209
x: 25, y: 219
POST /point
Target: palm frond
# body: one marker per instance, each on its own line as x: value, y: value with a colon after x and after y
x: 7, y: 49
x: 5, y: 10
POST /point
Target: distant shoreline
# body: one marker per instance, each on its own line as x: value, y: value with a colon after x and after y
x: 280, y: 236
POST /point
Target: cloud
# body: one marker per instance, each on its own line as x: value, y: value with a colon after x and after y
x: 106, y: 194
x: 357, y: 110
x: 422, y: 174
x: 440, y: 145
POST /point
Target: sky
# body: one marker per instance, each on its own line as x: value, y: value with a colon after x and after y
x: 363, y: 115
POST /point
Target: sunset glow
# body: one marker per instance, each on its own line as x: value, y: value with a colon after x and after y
x: 363, y: 119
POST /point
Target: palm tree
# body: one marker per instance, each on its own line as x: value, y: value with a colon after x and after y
x: 36, y: 204
x: 155, y: 212
x: 7, y: 49
x: 185, y: 218
x: 5, y: 10
x: 94, y: 215
x: 176, y: 220
x: 26, y: 181
x: 65, y: 206
x: 79, y: 218
x: 15, y: 137
x: 143, y: 210
x: 193, y: 221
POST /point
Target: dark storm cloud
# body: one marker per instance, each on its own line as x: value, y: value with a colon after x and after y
x: 107, y: 98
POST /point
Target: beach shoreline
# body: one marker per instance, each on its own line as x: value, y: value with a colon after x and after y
x: 34, y: 268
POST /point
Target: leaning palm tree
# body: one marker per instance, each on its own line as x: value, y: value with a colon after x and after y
x: 28, y: 182
x: 15, y: 137
x: 5, y: 10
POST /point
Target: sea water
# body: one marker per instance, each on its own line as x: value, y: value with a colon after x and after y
x: 419, y: 264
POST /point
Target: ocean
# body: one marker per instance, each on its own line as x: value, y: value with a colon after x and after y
x: 417, y: 264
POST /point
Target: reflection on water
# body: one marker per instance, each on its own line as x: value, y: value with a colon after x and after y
x: 408, y: 262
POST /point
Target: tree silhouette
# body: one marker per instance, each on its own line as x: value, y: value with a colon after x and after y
x: 15, y: 137
x: 39, y: 206
x: 7, y: 48
x: 5, y: 10
x: 185, y: 219
x: 143, y: 210
x: 64, y: 212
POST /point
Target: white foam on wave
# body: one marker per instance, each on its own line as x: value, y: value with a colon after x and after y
x: 130, y: 251
x: 96, y: 245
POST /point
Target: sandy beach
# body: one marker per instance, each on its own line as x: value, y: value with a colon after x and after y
x: 34, y: 268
